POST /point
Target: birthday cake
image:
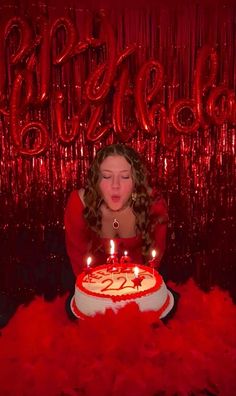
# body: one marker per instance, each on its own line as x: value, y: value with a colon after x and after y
x: 112, y: 287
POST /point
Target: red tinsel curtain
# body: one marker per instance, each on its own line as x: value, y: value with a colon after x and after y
x: 160, y: 77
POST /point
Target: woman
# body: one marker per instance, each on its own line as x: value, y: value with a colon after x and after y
x: 117, y: 203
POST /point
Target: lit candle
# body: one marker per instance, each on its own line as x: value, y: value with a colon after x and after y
x: 112, y: 259
x: 125, y: 258
x: 154, y: 253
x: 88, y: 268
x: 152, y: 262
x: 89, y: 261
x: 136, y: 272
x: 112, y: 247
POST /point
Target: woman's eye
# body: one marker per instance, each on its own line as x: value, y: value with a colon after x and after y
x: 106, y: 177
x: 125, y: 177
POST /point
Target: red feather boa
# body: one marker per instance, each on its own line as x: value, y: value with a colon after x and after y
x: 128, y: 354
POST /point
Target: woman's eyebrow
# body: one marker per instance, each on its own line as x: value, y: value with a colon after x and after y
x: 108, y: 170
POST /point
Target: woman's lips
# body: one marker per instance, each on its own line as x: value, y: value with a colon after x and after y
x: 115, y: 198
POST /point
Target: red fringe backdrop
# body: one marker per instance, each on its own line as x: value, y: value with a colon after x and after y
x: 158, y: 76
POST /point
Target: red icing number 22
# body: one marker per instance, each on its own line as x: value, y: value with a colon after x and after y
x: 110, y: 282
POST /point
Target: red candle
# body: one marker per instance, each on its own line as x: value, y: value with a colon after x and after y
x: 152, y: 262
x: 88, y: 268
x: 112, y: 259
x: 125, y: 258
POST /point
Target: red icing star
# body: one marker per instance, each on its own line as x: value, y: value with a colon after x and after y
x: 137, y: 281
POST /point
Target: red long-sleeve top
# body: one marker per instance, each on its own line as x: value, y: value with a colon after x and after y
x: 80, y: 239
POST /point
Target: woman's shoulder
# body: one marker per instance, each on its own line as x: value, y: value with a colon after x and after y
x: 159, y: 206
x: 76, y: 198
x: 74, y: 210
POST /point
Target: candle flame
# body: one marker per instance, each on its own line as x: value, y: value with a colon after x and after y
x: 154, y: 253
x: 125, y: 253
x: 112, y: 247
x: 136, y: 271
x: 89, y: 260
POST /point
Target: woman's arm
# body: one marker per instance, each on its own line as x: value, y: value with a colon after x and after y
x: 75, y: 232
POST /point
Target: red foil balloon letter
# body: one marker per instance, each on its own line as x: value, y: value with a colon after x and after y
x: 96, y: 91
x: 189, y: 122
x: 220, y: 105
x: 122, y: 127
x: 145, y: 95
x: 204, y: 79
x: 23, y: 49
x: 18, y: 132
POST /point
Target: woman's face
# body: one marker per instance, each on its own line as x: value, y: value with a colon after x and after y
x: 115, y: 181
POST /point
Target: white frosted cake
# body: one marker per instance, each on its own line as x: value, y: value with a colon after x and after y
x: 113, y: 286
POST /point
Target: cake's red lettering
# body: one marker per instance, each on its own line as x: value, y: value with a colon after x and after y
x: 99, y: 274
x: 122, y: 284
x: 110, y: 282
x: 145, y: 274
x: 88, y: 280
